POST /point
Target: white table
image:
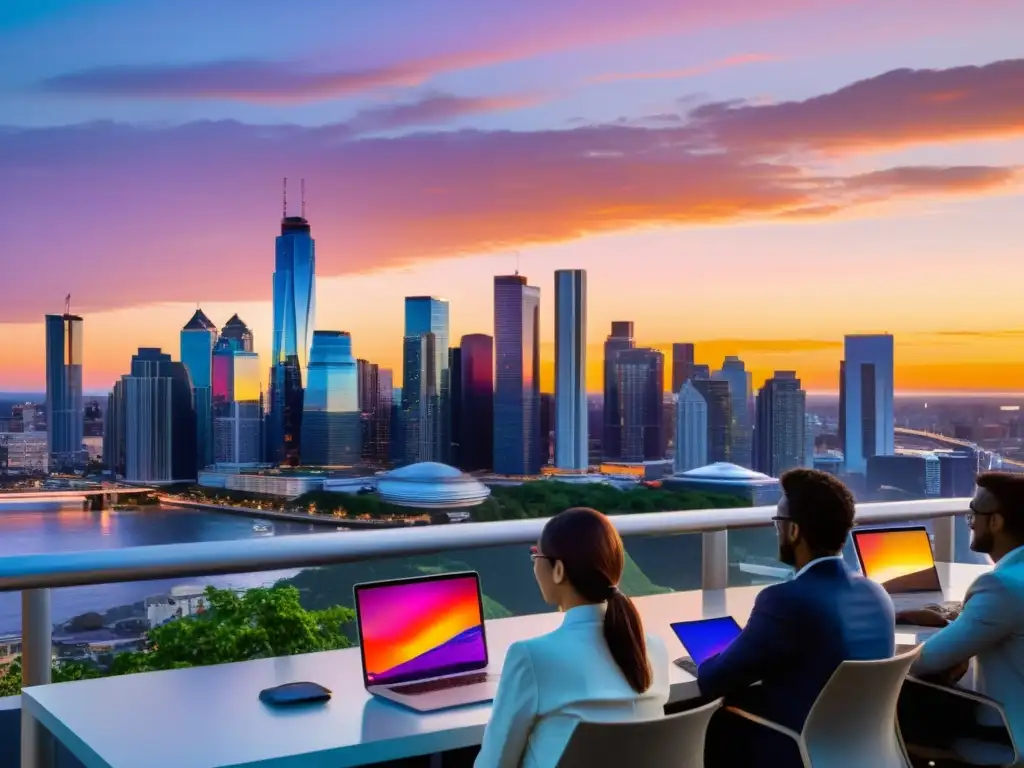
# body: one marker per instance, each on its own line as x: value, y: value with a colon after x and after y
x: 208, y: 717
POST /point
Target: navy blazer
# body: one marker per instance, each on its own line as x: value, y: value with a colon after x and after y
x: 798, y: 632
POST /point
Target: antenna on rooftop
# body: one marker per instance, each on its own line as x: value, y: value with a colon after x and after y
x: 67, y: 304
x: 284, y: 209
x: 302, y: 186
x: 517, y: 262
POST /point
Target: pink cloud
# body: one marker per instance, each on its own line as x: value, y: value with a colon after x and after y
x: 685, y: 72
x: 128, y: 215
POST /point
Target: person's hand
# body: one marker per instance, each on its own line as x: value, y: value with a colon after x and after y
x: 922, y: 617
x: 954, y: 675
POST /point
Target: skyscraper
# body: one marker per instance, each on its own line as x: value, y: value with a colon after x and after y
x: 419, y: 399
x: 331, y: 418
x: 571, y: 369
x: 429, y: 314
x: 236, y: 403
x: 294, y: 319
x: 780, y: 442
x: 716, y: 394
x: 734, y: 372
x: 198, y: 338
x: 65, y: 418
x: 691, y: 429
x: 239, y: 334
x: 619, y: 339
x: 866, y: 400
x: 369, y: 407
x: 451, y: 405
x: 640, y: 384
x: 517, y: 376
x: 159, y: 419
x: 385, y: 401
x: 476, y: 421
x: 682, y: 365
x: 114, y: 430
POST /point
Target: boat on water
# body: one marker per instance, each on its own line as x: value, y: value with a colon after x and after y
x: 262, y: 527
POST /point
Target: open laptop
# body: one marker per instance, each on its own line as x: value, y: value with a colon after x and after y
x: 901, y: 560
x: 703, y: 638
x: 422, y: 641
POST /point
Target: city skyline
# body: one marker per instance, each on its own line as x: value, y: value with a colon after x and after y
x: 905, y: 135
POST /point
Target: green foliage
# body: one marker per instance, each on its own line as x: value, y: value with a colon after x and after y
x: 264, y: 622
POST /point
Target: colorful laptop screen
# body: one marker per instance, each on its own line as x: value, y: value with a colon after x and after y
x: 900, y: 560
x: 420, y: 629
x: 704, y: 638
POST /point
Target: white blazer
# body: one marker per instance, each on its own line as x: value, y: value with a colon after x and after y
x: 550, y: 683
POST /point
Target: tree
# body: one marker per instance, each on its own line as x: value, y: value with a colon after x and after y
x: 264, y: 622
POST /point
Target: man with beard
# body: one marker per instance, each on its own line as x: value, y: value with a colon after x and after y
x: 799, y: 631
x: 989, y: 628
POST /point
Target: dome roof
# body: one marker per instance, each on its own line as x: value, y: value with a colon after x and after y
x: 430, y: 485
x: 724, y: 472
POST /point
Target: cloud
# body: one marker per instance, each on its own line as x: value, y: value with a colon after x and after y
x: 499, y: 34
x: 129, y: 215
x: 433, y: 109
x: 898, y: 108
x: 695, y: 71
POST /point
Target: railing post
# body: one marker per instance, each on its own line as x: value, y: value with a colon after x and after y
x: 714, y: 560
x: 36, y: 664
x: 944, y: 544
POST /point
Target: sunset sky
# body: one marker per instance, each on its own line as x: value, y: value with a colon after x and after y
x: 758, y: 177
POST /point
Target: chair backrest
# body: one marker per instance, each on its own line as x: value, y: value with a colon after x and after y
x: 673, y: 741
x: 853, y: 720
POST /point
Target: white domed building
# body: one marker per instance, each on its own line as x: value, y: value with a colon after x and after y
x: 433, y: 486
x: 729, y: 479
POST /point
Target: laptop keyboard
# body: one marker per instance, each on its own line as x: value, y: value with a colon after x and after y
x: 442, y: 684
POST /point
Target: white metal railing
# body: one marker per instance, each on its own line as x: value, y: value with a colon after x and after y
x: 35, y: 575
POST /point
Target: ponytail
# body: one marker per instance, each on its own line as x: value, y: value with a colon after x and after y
x: 624, y: 633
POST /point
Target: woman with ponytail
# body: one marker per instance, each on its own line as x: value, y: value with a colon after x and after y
x: 599, y: 665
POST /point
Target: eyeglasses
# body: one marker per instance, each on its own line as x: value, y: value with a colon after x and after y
x: 974, y: 513
x: 780, y: 519
x: 535, y: 554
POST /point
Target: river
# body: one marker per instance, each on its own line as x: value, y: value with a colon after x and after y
x: 57, y: 527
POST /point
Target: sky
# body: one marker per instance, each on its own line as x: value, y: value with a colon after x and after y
x: 758, y: 177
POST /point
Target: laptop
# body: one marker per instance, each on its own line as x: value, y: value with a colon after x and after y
x: 422, y: 641
x: 703, y: 638
x: 901, y: 560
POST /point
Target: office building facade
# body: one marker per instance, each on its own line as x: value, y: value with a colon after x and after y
x: 331, y: 417
x: 570, y: 407
x: 620, y: 339
x: 781, y: 407
x: 735, y: 373
x: 691, y: 442
x: 294, y: 320
x: 159, y: 420
x: 516, y: 376
x: 198, y: 338
x: 65, y: 418
x: 476, y: 408
x: 429, y: 314
x: 237, y: 404
x: 716, y: 394
x: 238, y: 333
x: 640, y: 385
x: 866, y: 426
x: 682, y: 365
x: 420, y: 403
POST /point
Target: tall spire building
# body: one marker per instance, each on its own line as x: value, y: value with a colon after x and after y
x: 294, y: 318
x: 198, y: 338
x: 65, y: 418
x: 571, y: 442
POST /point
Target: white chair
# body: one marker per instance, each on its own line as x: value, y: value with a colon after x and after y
x: 852, y: 723
x: 975, y: 751
x: 673, y: 741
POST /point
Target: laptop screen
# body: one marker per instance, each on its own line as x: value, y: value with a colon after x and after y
x: 703, y: 638
x: 419, y: 628
x: 900, y: 559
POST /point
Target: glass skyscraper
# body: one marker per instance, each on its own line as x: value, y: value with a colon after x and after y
x: 476, y: 402
x: 866, y: 426
x: 65, y: 419
x: 420, y: 403
x: 571, y: 442
x: 238, y: 332
x: 294, y: 318
x: 198, y: 338
x: 429, y: 314
x: 780, y: 444
x: 237, y: 404
x: 640, y: 384
x: 621, y: 338
x: 516, y: 376
x: 735, y: 372
x: 159, y: 420
x: 331, y: 418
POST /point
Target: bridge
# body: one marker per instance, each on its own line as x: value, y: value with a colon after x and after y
x: 99, y: 497
x: 951, y: 442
